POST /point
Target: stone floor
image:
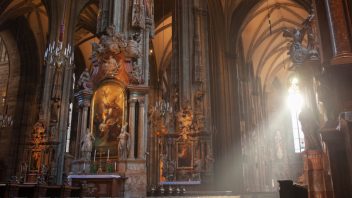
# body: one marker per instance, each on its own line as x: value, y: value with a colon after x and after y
x: 201, y: 196
x: 249, y: 195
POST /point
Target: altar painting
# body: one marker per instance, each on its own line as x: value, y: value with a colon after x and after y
x: 108, y: 114
x: 184, y: 155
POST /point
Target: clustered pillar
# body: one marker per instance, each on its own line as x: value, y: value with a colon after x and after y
x: 84, y: 99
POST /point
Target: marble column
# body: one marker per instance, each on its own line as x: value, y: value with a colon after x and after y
x: 337, y: 15
x: 141, y: 137
x: 131, y: 127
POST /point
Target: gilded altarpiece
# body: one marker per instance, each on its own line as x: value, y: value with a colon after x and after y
x: 185, y: 155
x: 108, y: 116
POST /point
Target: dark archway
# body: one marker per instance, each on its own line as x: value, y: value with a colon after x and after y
x: 24, y: 97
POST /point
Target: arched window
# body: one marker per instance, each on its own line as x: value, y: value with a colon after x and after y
x: 295, y: 103
x: 5, y: 120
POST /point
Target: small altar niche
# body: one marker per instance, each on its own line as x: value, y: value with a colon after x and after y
x: 108, y: 115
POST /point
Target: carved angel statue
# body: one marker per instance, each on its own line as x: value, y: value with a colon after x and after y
x: 111, y: 67
x: 185, y: 121
x: 132, y: 48
x: 84, y: 80
x: 185, y: 117
x: 87, y: 145
x: 123, y: 145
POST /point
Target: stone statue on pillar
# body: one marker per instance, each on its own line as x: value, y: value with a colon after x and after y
x: 56, y: 90
x: 84, y: 82
x: 310, y: 128
x: 87, y: 145
x: 123, y: 139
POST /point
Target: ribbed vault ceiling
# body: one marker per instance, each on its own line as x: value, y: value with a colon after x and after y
x: 87, y: 23
x: 264, y: 46
x: 33, y: 10
x: 162, y: 44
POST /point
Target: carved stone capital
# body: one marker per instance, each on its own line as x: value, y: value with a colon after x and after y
x: 84, y: 97
x: 141, y: 101
x: 132, y: 101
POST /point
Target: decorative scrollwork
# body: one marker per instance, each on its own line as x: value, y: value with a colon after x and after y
x: 115, y: 56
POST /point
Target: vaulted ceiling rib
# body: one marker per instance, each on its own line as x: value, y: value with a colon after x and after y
x: 262, y: 40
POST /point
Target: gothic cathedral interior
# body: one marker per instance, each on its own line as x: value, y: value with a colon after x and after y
x: 136, y: 98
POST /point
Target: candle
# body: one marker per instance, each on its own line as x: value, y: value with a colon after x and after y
x: 273, y: 183
x: 95, y: 153
x: 108, y: 153
x: 115, y: 166
x: 84, y: 166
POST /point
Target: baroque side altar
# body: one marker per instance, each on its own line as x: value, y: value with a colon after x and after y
x: 111, y: 116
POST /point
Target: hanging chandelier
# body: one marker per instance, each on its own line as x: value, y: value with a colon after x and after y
x: 163, y: 107
x: 56, y: 55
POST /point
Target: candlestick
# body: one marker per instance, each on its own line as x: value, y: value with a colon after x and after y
x: 108, y: 153
x: 84, y: 166
x: 95, y: 153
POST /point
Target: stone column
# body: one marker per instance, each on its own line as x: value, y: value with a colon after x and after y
x: 148, y: 32
x: 131, y: 127
x: 78, y: 137
x: 63, y: 121
x: 111, y: 12
x: 141, y: 136
x: 337, y: 14
x: 182, y: 20
x: 84, y: 98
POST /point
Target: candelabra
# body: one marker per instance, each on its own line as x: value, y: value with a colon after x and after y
x: 56, y: 55
x: 163, y: 107
x: 160, y: 117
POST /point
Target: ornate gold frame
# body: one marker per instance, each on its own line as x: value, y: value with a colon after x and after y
x: 108, y: 82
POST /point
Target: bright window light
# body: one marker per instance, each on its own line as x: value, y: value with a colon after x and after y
x: 295, y: 103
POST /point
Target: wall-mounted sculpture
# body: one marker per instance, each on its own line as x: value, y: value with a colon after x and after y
x: 298, y: 52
